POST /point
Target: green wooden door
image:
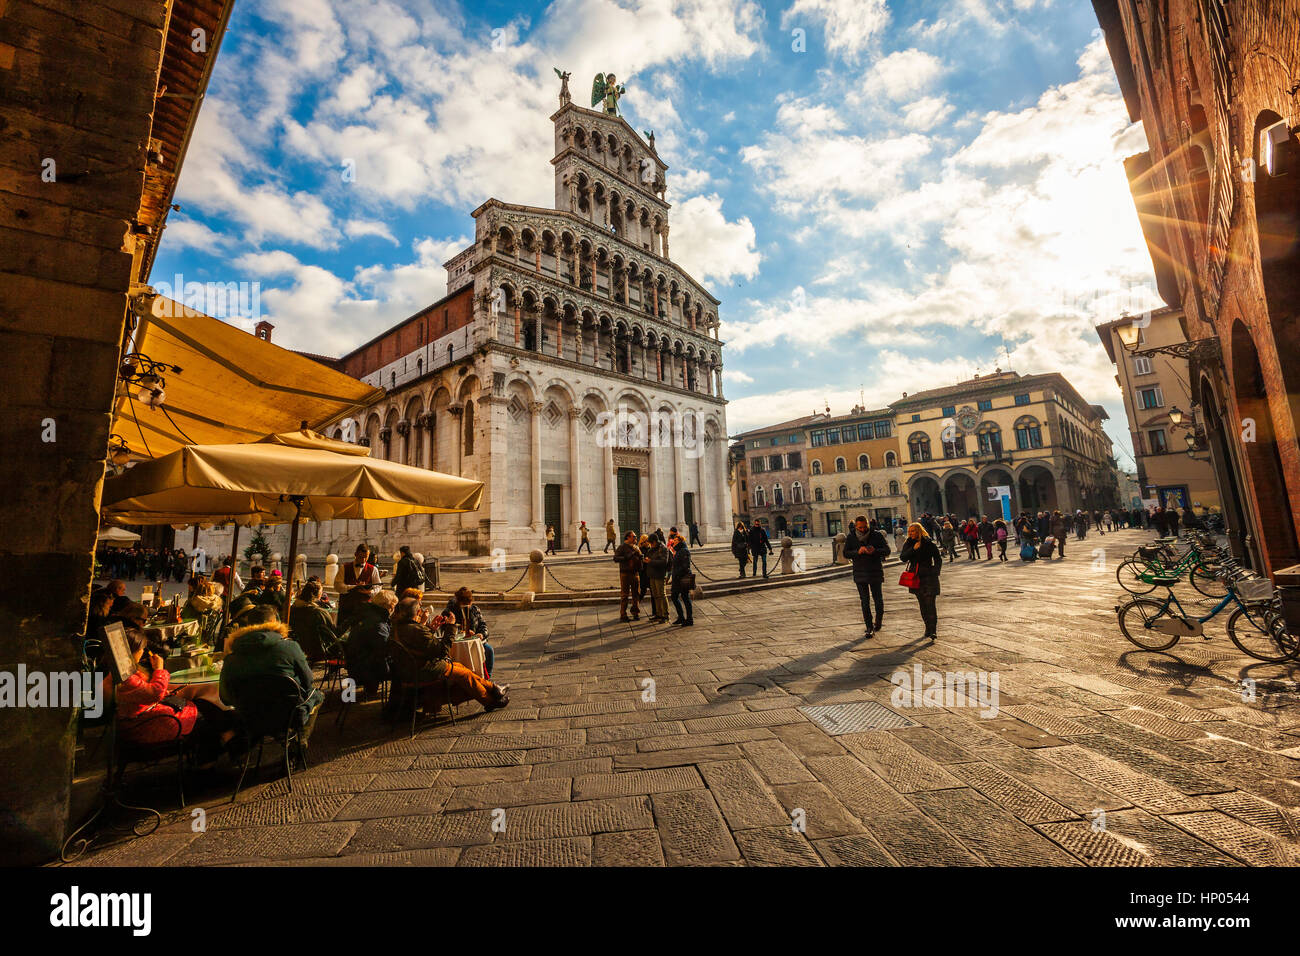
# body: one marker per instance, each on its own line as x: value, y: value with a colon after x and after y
x: 629, y: 500
x: 551, y: 498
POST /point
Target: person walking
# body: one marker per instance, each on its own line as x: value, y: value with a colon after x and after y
x: 987, y: 534
x: 923, y: 561
x: 948, y: 539
x: 611, y: 535
x: 408, y: 573
x: 550, y: 539
x: 1000, y: 535
x: 629, y: 559
x: 695, y: 535
x: 1060, y: 529
x: 683, y: 582
x: 644, y: 575
x: 867, y: 548
x: 900, y: 532
x: 970, y: 532
x: 584, y: 534
x: 740, y: 546
x: 656, y: 563
x: 759, y: 547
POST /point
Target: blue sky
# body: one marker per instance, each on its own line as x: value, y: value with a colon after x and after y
x: 885, y: 196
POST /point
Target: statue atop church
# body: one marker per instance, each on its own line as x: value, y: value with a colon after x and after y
x: 565, y: 99
x: 650, y: 137
x: 605, y: 87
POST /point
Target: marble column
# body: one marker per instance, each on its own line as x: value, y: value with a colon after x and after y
x: 611, y: 485
x: 518, y: 326
x: 652, y: 503
x: 677, y: 482
x: 537, y: 328
x: 664, y: 240
x: 575, y: 467
x: 535, y: 446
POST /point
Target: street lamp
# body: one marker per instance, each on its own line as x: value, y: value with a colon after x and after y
x: 1176, y: 415
x: 1129, y: 335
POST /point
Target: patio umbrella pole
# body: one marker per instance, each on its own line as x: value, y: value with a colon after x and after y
x: 234, y: 570
x: 293, y: 549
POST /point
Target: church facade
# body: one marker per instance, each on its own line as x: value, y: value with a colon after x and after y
x: 572, y: 366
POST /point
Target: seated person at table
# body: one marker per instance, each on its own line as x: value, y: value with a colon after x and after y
x: 421, y: 655
x: 120, y: 600
x: 411, y: 593
x: 145, y: 695
x: 250, y: 596
x: 311, y: 625
x: 462, y: 609
x: 203, y: 599
x: 101, y: 604
x: 260, y: 648
x: 365, y: 650
x: 323, y: 600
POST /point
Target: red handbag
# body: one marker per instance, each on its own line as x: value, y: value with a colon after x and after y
x: 910, y: 579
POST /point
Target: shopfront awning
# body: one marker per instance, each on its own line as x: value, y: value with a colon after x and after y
x: 233, y: 387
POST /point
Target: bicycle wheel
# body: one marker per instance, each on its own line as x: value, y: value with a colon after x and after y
x: 1128, y: 575
x: 1135, y: 619
x: 1261, y: 632
x: 1205, y: 581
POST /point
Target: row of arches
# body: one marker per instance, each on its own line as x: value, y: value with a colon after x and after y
x: 609, y: 151
x: 612, y: 208
x: 599, y: 270
x: 544, y: 323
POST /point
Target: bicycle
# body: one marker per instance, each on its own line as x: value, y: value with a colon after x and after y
x: 1137, y: 574
x: 1256, y: 626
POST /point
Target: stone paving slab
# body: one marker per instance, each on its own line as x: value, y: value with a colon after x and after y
x: 721, y: 768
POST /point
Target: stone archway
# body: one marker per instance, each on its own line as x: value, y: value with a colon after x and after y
x: 1275, y: 522
x: 962, y: 495
x: 1226, y: 475
x: 1037, y: 488
x: 992, y: 478
x: 924, y: 494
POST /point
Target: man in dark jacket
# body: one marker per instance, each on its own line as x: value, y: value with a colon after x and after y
x: 369, y: 631
x: 759, y: 547
x: 629, y: 559
x: 867, y: 547
x: 681, y: 592
x: 262, y: 648
x: 408, y: 573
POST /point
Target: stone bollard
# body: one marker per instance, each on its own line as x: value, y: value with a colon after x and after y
x: 537, y: 572
x: 838, y: 546
x: 300, y: 569
x: 254, y: 562
x: 275, y: 562
x: 331, y: 569
x: 787, y: 555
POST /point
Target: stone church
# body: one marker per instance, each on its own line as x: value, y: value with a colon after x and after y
x: 572, y: 366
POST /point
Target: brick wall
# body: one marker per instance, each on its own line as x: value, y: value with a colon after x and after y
x: 452, y: 313
x: 76, y: 88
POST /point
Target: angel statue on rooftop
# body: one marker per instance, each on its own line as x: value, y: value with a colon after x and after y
x: 605, y: 87
x: 564, y: 85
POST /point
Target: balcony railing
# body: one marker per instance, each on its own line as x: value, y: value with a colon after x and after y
x: 989, y: 457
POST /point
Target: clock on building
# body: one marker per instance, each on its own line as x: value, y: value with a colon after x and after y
x: 968, y: 419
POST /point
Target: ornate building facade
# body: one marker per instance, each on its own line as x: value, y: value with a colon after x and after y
x: 572, y: 366
x: 854, y: 469
x: 1032, y: 433
x: 1214, y: 83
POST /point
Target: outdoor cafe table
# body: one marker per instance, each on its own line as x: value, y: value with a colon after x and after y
x: 470, y: 654
x: 196, y: 675
x: 169, y: 633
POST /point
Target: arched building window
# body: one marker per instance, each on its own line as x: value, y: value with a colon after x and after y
x: 866, y: 489
x: 891, y: 460
x: 1029, y: 434
x: 796, y: 493
x: 778, y: 496
x: 817, y: 466
x: 864, y: 462
x: 918, y: 446
x: 893, y: 487
x: 817, y: 494
x: 760, y: 500
x: 840, y: 465
x: 844, y: 492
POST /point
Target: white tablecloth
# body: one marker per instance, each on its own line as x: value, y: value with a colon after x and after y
x: 470, y: 654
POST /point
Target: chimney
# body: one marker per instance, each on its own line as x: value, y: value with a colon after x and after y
x: 263, y: 330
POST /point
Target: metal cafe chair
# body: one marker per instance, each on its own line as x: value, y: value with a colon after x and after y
x: 270, y: 705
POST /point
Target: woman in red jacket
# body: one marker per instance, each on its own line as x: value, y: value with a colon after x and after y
x: 145, y: 698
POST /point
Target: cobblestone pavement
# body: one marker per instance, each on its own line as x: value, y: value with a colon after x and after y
x: 1099, y: 754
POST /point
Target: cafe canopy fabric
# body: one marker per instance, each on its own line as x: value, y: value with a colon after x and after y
x: 223, y: 483
x: 118, y: 537
x: 232, y: 387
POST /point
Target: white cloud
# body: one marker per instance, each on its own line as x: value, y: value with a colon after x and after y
x: 192, y: 234
x: 356, y: 228
x: 926, y: 113
x: 736, y: 375
x: 707, y: 246
x: 901, y: 76
x: 850, y: 25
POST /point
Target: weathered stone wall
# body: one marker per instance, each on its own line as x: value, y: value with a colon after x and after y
x: 77, y: 86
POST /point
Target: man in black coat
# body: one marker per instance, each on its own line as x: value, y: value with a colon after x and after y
x: 759, y: 546
x: 867, y: 547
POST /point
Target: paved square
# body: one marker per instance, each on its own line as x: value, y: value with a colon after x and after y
x: 646, y: 745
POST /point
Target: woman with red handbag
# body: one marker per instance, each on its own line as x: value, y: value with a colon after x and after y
x: 922, y: 559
